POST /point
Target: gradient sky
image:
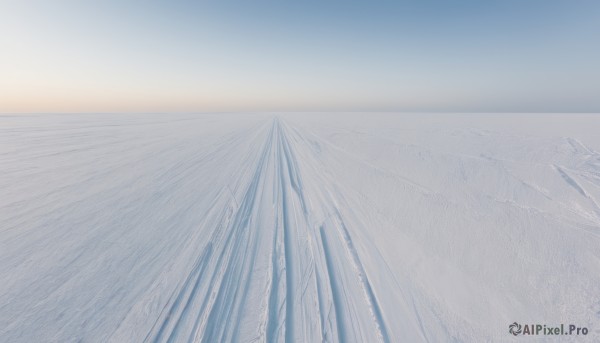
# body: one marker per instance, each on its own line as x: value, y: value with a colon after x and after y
x: 171, y: 56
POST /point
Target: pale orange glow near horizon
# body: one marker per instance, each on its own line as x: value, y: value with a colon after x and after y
x: 122, y: 56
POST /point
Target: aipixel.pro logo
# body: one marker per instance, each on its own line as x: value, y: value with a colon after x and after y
x: 516, y: 329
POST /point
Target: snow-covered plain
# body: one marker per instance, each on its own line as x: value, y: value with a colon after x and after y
x: 297, y: 227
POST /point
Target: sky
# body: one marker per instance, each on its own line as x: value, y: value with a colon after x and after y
x: 206, y: 56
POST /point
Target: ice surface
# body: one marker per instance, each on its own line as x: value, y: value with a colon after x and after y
x: 297, y: 227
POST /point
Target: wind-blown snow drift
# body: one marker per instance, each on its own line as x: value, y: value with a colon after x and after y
x: 307, y: 228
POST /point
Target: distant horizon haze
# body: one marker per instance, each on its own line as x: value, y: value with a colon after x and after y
x: 354, y: 56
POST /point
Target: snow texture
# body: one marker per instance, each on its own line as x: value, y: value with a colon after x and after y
x: 297, y: 227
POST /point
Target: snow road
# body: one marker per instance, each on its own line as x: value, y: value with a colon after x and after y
x: 297, y: 227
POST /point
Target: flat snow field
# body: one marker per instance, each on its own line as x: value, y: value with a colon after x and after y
x: 298, y: 227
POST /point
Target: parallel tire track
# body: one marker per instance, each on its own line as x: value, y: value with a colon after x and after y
x: 317, y: 290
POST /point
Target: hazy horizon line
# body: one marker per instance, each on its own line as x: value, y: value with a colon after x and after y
x: 295, y: 111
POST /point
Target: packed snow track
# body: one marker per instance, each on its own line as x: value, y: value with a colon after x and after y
x: 296, y: 227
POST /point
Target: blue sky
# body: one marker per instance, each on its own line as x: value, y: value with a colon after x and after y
x: 171, y: 56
